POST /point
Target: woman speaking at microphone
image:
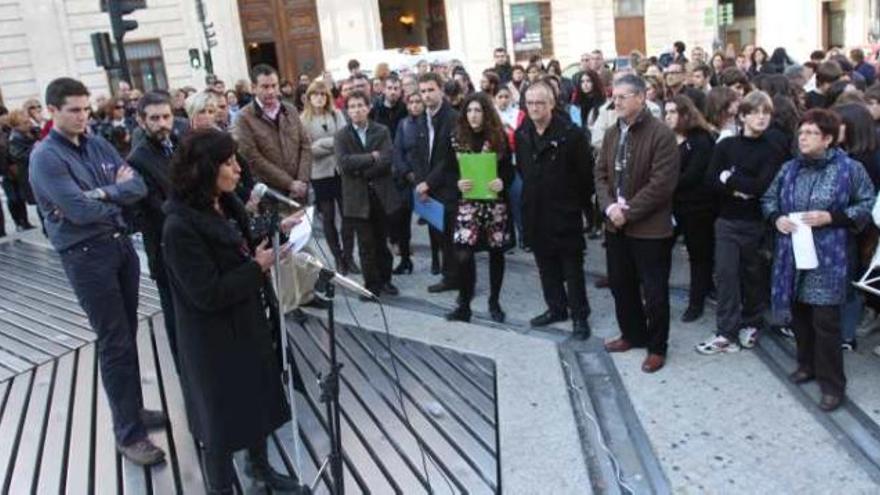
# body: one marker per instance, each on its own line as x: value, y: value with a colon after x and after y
x: 229, y: 370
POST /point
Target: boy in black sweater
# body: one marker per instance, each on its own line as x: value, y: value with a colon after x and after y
x: 742, y: 168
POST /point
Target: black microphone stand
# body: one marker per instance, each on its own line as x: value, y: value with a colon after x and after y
x: 329, y: 385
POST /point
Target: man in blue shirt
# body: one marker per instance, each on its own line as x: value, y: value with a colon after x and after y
x: 81, y: 185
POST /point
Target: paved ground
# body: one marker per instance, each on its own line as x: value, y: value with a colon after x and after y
x: 726, y: 424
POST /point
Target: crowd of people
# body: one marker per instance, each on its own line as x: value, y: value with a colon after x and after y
x: 735, y: 152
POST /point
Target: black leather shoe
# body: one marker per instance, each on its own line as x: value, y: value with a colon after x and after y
x: 692, y: 313
x: 153, y: 419
x: 317, y: 303
x: 441, y: 286
x: 801, y: 376
x: 390, y: 289
x: 547, y: 317
x: 496, y: 313
x: 830, y: 402
x: 435, y: 266
x: 404, y: 267
x: 581, y: 330
x: 460, y: 313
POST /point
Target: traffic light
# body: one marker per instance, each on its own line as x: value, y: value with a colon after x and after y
x: 103, y: 50
x: 118, y: 10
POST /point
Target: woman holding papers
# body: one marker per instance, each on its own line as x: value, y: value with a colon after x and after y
x: 818, y: 202
x: 482, y: 221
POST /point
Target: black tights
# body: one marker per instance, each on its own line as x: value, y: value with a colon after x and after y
x: 331, y: 234
x: 468, y: 274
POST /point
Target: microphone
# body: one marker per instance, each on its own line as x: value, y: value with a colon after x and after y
x: 307, y: 260
x: 264, y: 191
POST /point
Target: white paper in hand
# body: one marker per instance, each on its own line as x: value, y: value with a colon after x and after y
x: 301, y: 232
x: 802, y: 244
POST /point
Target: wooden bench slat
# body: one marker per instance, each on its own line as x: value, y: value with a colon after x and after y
x: 52, y: 464
x: 80, y: 449
x: 11, y: 424
x: 189, y: 469
x: 106, y: 473
x: 31, y: 442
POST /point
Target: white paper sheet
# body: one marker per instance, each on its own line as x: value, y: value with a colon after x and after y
x: 802, y: 243
x: 301, y: 232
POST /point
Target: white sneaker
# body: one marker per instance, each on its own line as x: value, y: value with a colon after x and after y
x: 748, y: 336
x: 717, y: 345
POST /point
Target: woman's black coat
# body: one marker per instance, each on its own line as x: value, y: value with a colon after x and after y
x: 229, y: 371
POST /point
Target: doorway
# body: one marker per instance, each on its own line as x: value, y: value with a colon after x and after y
x: 262, y: 53
x: 412, y: 23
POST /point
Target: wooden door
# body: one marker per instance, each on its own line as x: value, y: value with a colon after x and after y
x: 292, y: 25
x: 629, y: 35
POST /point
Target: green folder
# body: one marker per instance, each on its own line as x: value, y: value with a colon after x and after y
x: 481, y: 169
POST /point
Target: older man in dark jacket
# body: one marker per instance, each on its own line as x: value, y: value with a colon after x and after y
x: 636, y: 176
x: 556, y: 163
x: 436, y: 169
x: 363, y: 152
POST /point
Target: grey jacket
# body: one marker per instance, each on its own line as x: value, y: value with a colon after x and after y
x: 361, y: 173
x: 322, y: 129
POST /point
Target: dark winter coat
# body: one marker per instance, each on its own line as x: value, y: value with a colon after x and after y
x: 19, y: 148
x: 692, y: 193
x: 229, y: 372
x: 361, y: 172
x: 149, y: 159
x: 557, y: 173
x: 440, y: 172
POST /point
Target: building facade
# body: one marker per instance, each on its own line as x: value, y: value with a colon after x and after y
x: 44, y: 39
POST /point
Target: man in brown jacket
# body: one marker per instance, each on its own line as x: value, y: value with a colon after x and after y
x: 636, y: 175
x: 272, y: 138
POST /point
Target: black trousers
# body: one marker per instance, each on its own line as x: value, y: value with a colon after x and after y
x: 449, y: 266
x: 698, y: 228
x: 817, y: 331
x: 563, y: 284
x: 327, y: 208
x: 638, y: 275
x: 372, y: 234
x: 105, y: 276
x: 741, y: 274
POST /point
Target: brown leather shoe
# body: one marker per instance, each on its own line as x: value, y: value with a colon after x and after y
x: 653, y: 363
x: 830, y: 402
x: 801, y: 376
x: 617, y: 345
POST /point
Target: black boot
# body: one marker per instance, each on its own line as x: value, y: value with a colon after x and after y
x: 405, y: 266
x: 435, y: 264
x: 495, y: 312
x: 258, y: 468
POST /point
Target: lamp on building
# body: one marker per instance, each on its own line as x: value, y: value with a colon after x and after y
x: 408, y: 21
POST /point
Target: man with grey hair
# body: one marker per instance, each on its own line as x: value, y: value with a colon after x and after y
x: 556, y: 162
x: 636, y: 175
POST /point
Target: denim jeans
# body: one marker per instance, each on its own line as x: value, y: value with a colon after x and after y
x: 105, y: 275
